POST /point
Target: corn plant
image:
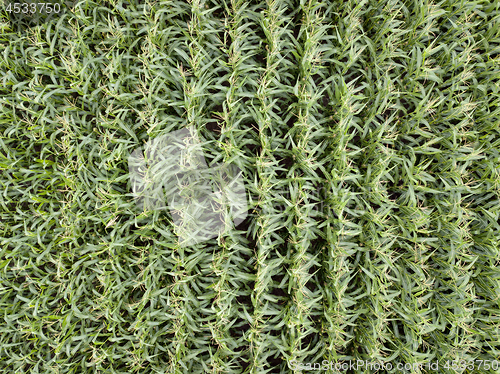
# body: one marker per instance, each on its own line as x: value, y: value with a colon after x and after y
x: 367, y: 137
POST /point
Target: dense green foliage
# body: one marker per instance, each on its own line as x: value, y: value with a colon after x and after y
x: 368, y: 133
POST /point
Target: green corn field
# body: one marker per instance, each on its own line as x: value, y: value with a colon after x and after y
x: 367, y: 134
